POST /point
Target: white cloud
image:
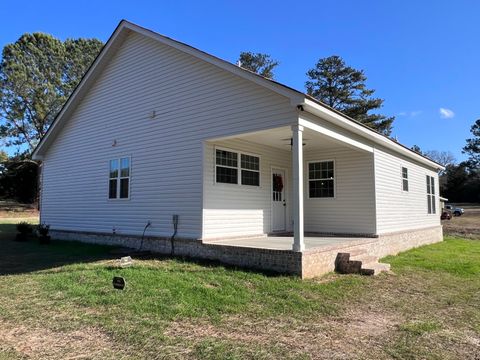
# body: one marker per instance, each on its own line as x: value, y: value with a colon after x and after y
x: 446, y: 113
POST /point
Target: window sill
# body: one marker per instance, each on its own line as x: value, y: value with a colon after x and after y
x: 257, y: 187
x: 322, y: 198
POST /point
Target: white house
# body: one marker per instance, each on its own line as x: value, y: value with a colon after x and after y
x: 157, y: 128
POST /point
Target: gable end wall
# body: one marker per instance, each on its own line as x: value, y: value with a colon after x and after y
x: 193, y: 101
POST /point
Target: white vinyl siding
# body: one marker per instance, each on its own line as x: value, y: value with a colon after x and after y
x: 352, y: 210
x: 193, y: 101
x: 399, y: 210
x: 231, y: 210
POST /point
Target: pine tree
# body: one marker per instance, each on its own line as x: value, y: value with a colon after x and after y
x: 343, y: 88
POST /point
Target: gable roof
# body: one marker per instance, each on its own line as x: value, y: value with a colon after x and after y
x: 296, y: 97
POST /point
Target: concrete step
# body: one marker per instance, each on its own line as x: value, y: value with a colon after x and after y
x: 357, y: 252
x: 374, y: 268
x: 364, y: 258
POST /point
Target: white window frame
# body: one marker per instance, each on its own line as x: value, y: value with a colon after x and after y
x: 402, y: 179
x: 239, y: 167
x: 431, y: 196
x: 118, y: 178
x: 334, y: 179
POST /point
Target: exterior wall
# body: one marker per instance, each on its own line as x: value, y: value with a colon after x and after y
x: 399, y: 210
x: 352, y: 210
x: 235, y: 210
x: 193, y: 101
x: 231, y: 210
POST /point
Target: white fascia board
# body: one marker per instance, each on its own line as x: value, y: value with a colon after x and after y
x: 335, y: 135
x: 337, y: 119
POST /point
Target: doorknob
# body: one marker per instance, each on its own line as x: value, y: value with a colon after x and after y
x: 284, y: 203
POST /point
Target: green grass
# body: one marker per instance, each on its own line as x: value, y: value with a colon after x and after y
x: 455, y: 256
x: 420, y: 327
x: 181, y: 309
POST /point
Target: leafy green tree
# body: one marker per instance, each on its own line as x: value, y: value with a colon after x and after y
x: 343, y: 88
x: 79, y: 55
x: 18, y: 179
x: 3, y: 160
x: 459, y: 183
x: 37, y: 74
x: 259, y: 63
x: 473, y: 146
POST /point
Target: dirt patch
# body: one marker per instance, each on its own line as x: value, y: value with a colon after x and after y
x: 467, y: 225
x: 12, y: 209
x: 41, y: 343
x: 332, y: 337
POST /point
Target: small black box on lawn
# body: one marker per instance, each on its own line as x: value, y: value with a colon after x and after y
x: 118, y: 282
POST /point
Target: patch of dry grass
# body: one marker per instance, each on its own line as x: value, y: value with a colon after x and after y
x: 56, y: 302
x: 13, y: 210
x: 43, y: 343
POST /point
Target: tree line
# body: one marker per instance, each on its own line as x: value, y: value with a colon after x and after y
x: 459, y: 182
x: 39, y: 72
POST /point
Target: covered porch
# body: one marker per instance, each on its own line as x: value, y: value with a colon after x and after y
x: 320, y: 255
x: 302, y: 179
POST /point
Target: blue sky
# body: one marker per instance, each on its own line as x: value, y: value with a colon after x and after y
x: 420, y: 56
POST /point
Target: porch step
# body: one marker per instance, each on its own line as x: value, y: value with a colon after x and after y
x: 357, y: 253
x: 374, y: 268
x: 360, y: 263
x: 364, y: 258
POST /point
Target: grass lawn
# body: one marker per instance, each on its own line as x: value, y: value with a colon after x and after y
x: 57, y: 302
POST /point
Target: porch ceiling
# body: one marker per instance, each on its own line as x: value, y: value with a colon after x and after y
x: 280, y: 138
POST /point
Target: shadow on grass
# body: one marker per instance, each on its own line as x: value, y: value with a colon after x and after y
x: 24, y: 257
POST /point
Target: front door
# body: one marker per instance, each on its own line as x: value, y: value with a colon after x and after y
x: 279, y: 205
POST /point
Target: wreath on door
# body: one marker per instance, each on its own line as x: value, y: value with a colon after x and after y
x: 277, y: 183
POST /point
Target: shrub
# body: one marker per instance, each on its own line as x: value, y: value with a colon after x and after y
x: 43, y: 229
x: 24, y: 228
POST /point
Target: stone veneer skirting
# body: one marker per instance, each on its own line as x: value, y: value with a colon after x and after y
x: 308, y: 264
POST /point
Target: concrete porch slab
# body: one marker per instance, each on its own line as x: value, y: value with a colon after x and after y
x: 285, y: 242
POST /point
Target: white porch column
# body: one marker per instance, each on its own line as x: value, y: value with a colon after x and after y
x: 297, y: 157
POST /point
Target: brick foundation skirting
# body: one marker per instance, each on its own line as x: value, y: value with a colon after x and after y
x: 281, y: 261
x: 310, y: 263
x: 319, y: 261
